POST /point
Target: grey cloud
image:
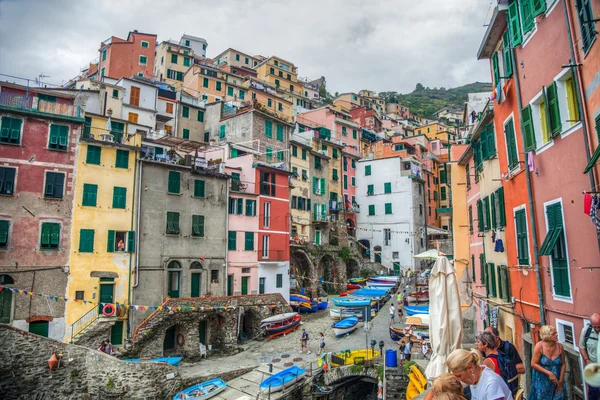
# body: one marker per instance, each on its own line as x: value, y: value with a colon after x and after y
x: 381, y: 45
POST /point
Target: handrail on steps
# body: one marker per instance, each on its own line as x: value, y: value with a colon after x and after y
x: 83, y: 322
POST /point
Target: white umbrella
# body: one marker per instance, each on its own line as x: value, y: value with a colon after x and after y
x: 445, y: 327
x: 431, y: 254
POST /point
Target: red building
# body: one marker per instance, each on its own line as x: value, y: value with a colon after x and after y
x: 39, y: 132
x: 124, y: 58
x: 366, y: 118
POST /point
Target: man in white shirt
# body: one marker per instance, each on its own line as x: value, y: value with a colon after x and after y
x: 392, y: 313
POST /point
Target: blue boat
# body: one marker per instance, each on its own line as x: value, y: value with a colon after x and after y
x: 314, y: 307
x: 369, y: 293
x: 174, y: 361
x: 204, y: 390
x: 352, y: 302
x: 413, y: 310
x: 282, y: 379
x: 345, y: 326
x: 323, y: 305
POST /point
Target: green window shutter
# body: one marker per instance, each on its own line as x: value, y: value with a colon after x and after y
x: 493, y: 210
x: 585, y: 13
x: 122, y: 160
x: 345, y: 182
x: 268, y: 128
x: 522, y: 240
x: 174, y: 182
x: 93, y: 155
x: 388, y: 208
x: 269, y: 154
x: 90, y: 195
x: 480, y: 225
x: 239, y: 206
x: 294, y: 151
x: 186, y: 133
x: 335, y: 153
x: 507, y: 294
x: 232, y: 240
x: 222, y: 131
x: 173, y: 58
x: 371, y: 209
x: 483, y: 147
x: 553, y: 108
x: 492, y: 275
x: 110, y: 246
x: 499, y: 277
x: 353, y: 163
x: 387, y: 187
x: 353, y: 181
x: 495, y: 69
x: 482, y: 272
x: 304, y: 154
x: 334, y: 174
x: 280, y: 132
x: 229, y: 91
x: 185, y: 112
x: 507, y: 51
x: 172, y: 223
x: 528, y: 129
x: 249, y: 241
x: 280, y: 155
x: 86, y: 241
x: 443, y: 176
x: 344, y: 131
x: 486, y: 213
x: 59, y: 137
x: 218, y: 86
x: 242, y: 95
x: 443, y: 193
x: 199, y: 186
x: 500, y: 199
x: 538, y: 7
x: 511, y: 144
x: 370, y: 190
x: 198, y: 225
x: 119, y: 197
x: 54, y: 185
x: 315, y: 184
x: 50, y: 235
x: 367, y: 170
x: 131, y: 241
x: 514, y: 23
x: 323, y: 186
x: 491, y: 140
x: 527, y: 15
x: 249, y: 208
x: 10, y: 131
x: 200, y: 116
x: 205, y: 82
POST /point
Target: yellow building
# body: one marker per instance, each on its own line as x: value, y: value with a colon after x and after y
x: 171, y: 62
x: 347, y: 101
x: 436, y: 130
x: 284, y: 75
x: 103, y: 237
x: 300, y: 151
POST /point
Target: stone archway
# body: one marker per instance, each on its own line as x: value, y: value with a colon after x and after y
x: 249, y: 324
x: 352, y: 268
x: 326, y: 270
x: 170, y: 343
x: 303, y: 270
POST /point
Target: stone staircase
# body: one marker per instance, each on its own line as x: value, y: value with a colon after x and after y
x: 396, y: 382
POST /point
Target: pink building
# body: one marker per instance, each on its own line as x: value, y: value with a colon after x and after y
x: 123, y: 58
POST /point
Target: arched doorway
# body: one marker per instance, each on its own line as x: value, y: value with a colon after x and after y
x: 352, y: 268
x: 377, y: 251
x: 174, y: 271
x: 196, y: 278
x: 327, y: 273
x: 5, y: 299
x: 170, y: 344
x: 249, y: 325
x: 301, y: 271
x: 350, y: 228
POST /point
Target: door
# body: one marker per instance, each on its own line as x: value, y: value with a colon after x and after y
x: 397, y: 269
x: 174, y: 284
x: 245, y: 284
x: 196, y: 285
x: 39, y: 328
x: 229, y: 285
x: 106, y: 294
x: 5, y: 306
x: 169, y: 343
x: 261, y: 285
x: 116, y: 334
x: 317, y: 237
x: 378, y: 257
x: 202, y: 331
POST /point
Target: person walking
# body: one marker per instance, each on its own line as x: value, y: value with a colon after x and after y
x: 408, y: 350
x: 509, y: 349
x: 549, y: 366
x: 321, y: 343
x: 588, y: 347
x: 401, y: 346
x: 304, y: 342
x: 392, y: 313
x: 404, y: 299
x: 400, y: 313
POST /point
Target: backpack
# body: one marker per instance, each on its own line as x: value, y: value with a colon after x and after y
x: 588, y: 333
x: 508, y: 370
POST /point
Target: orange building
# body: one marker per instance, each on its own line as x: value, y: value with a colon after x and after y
x: 123, y: 58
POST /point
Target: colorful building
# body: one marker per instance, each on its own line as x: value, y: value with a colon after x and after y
x: 127, y: 57
x: 300, y: 207
x: 172, y: 61
x: 235, y: 58
x: 39, y: 136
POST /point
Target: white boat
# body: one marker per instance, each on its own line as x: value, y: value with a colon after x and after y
x: 337, y: 313
x: 345, y: 326
x: 277, y: 318
x: 423, y: 317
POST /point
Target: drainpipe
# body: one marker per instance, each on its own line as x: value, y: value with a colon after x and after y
x: 137, y: 243
x: 579, y: 96
x: 529, y: 191
x: 227, y: 239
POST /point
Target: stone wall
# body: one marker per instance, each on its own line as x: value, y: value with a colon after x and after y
x: 83, y: 373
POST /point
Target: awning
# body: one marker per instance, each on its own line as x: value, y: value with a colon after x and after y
x: 593, y: 160
x: 436, y: 231
x: 550, y: 240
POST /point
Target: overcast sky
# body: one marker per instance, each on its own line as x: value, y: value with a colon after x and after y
x: 382, y: 45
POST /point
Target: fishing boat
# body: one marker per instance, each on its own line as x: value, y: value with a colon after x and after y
x: 420, y: 320
x: 388, y: 284
x: 349, y: 357
x: 311, y: 308
x: 297, y: 302
x: 359, y: 281
x: 396, y: 334
x: 204, y: 390
x: 352, y: 302
x: 370, y: 293
x: 352, y: 286
x: 393, y: 279
x: 323, y: 305
x: 281, y: 324
x: 174, y: 361
x: 282, y: 379
x: 413, y: 310
x: 345, y: 326
x: 419, y: 296
x: 336, y: 313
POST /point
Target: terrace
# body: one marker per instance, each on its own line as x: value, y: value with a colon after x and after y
x: 40, y: 105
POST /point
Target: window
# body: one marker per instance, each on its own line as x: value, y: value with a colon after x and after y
x: 231, y: 240
x: 249, y: 241
x: 267, y: 183
x: 186, y: 61
x: 269, y: 102
x: 214, y: 276
x: 388, y: 208
x: 122, y: 159
x: 304, y: 154
x: 229, y: 91
x: 334, y: 174
x: 93, y: 155
x: 506, y: 53
x: 103, y: 55
x: 79, y: 295
x: 10, y: 130
x: 387, y: 187
x: 367, y: 170
x: 294, y: 151
x: 134, y: 96
x: 102, y: 71
x: 265, y: 244
x: 7, y: 180
x: 491, y: 282
x: 553, y: 109
x: 370, y: 190
x: 304, y: 175
x: 345, y: 182
x: 144, y: 44
x: 143, y: 60
x: 354, y: 134
x: 185, y: 112
x: 199, y: 186
x: 174, y: 276
x: 50, y: 236
x: 59, y: 137
x: 480, y: 222
x: 354, y: 164
x: 280, y: 132
x: 334, y: 152
x: 115, y: 94
x: 486, y: 214
x: 511, y: 144
x: 174, y: 182
x: 279, y: 281
x: 206, y: 137
x: 280, y: 107
x: 86, y: 241
x: 119, y: 197
x: 205, y: 82
x: 585, y: 15
x: 55, y: 183
x: 250, y: 208
x: 186, y: 133
x: 443, y: 193
x: 353, y: 181
x: 90, y: 194
x: 470, y: 219
x: 387, y: 237
x: 267, y: 214
x: 280, y: 155
x: 371, y: 209
x: 222, y: 131
x: 242, y: 94
x: 522, y: 237
x: 120, y: 238
x: 172, y: 223
x: 198, y: 225
x: 200, y: 116
x: 173, y: 58
x: 269, y: 154
x: 555, y: 247
x: 268, y: 128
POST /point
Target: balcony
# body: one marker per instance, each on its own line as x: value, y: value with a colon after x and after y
x: 353, y: 209
x: 335, y: 205
x: 238, y: 186
x: 90, y: 133
x: 323, y: 133
x: 320, y: 218
x: 444, y: 210
x: 35, y: 106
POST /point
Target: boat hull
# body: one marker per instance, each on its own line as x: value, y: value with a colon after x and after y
x: 414, y: 310
x: 352, y: 302
x: 285, y: 327
x: 201, y: 391
x: 283, y: 379
x: 174, y: 361
x: 344, y: 331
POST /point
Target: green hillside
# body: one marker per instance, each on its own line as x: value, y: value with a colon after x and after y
x: 424, y: 101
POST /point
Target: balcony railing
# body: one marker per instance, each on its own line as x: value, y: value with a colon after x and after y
x: 355, y: 208
x: 238, y: 186
x: 335, y: 205
x: 33, y: 104
x: 320, y: 218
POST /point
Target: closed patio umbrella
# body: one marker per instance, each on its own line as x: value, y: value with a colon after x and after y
x: 431, y: 254
x: 445, y: 326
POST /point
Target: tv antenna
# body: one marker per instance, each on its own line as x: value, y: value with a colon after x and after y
x: 41, y: 76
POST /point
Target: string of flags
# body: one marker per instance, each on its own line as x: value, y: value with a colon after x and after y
x: 138, y: 307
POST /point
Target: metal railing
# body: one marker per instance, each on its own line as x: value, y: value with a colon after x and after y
x: 34, y: 104
x: 86, y: 320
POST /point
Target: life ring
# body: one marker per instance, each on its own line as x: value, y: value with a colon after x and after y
x: 180, y: 339
x: 107, y: 313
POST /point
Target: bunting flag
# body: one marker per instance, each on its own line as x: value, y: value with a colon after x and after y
x: 139, y: 307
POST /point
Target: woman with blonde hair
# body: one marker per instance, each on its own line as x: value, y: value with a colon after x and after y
x: 485, y: 384
x: 549, y: 365
x: 445, y: 387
